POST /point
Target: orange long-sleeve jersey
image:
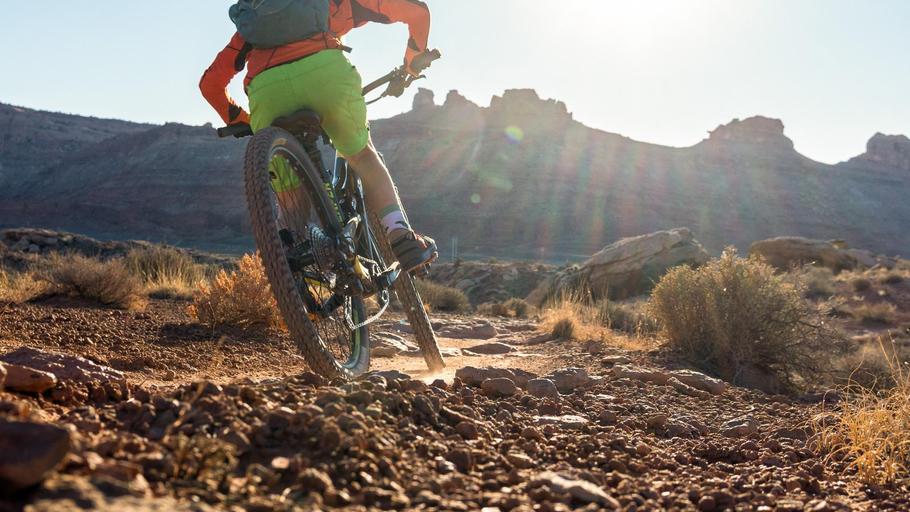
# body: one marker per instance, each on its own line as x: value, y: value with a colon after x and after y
x: 345, y: 15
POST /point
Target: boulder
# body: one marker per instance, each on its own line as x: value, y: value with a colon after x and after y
x: 28, y: 451
x: 478, y: 331
x: 498, y: 387
x: 78, y: 378
x: 784, y: 253
x: 643, y: 374
x: 475, y: 376
x: 629, y: 267
x: 28, y: 380
x: 542, y: 388
x: 64, y: 367
x: 569, y: 379
x: 389, y: 345
x: 700, y: 381
x: 490, y: 349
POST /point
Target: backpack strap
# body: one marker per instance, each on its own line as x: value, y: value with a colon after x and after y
x: 240, y: 61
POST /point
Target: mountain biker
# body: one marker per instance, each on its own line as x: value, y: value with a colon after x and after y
x: 316, y: 75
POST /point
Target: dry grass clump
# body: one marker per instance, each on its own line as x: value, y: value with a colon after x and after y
x: 736, y: 318
x: 564, y: 328
x: 881, y: 313
x: 442, y: 298
x: 512, y: 308
x: 493, y: 309
x: 19, y: 287
x: 519, y: 308
x: 109, y: 283
x: 818, y: 281
x: 631, y: 318
x: 242, y: 298
x: 573, y: 317
x: 870, y: 431
x: 167, y: 272
x: 576, y: 317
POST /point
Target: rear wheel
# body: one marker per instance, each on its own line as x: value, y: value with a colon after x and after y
x: 332, y: 344
x: 406, y: 289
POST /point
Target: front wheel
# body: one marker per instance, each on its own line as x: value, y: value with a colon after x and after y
x: 323, y: 325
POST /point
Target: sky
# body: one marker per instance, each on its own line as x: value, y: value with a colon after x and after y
x: 661, y: 71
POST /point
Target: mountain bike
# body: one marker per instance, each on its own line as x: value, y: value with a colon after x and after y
x: 326, y: 256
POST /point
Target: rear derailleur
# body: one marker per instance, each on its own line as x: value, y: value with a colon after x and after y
x: 332, y: 263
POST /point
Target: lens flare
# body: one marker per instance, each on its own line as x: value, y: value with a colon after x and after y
x: 514, y: 134
x: 475, y: 198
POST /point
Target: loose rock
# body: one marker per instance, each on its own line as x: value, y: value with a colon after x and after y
x: 28, y: 451
x: 581, y: 490
x: 499, y: 387
x: 542, y: 388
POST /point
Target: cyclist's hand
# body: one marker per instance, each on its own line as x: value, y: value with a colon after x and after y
x: 421, y: 62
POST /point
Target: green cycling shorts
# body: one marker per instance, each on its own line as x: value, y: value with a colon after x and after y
x: 326, y: 83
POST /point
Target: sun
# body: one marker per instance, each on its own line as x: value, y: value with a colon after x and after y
x: 634, y: 22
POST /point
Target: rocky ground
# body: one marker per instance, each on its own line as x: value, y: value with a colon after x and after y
x: 165, y: 415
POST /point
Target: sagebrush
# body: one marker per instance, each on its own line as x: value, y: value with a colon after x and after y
x: 442, y: 298
x: 240, y: 298
x: 738, y: 319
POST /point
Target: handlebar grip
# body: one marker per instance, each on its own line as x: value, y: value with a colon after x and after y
x: 235, y: 130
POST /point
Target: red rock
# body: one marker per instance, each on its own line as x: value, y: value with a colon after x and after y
x: 28, y: 380
x: 28, y: 451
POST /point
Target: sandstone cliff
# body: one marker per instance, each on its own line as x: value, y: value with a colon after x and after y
x: 520, y: 178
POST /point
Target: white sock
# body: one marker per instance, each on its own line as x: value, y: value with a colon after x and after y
x: 393, y: 218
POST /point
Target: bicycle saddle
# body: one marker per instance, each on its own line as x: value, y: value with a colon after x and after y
x: 300, y: 123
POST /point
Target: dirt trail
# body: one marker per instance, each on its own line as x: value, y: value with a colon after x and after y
x: 232, y: 421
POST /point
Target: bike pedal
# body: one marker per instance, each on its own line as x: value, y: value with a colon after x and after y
x: 386, y: 279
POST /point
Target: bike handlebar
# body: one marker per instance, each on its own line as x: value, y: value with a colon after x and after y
x: 398, y: 80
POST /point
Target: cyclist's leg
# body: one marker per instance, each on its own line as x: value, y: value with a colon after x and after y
x: 341, y: 104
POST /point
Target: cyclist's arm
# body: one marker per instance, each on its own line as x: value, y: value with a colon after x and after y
x: 414, y: 13
x: 216, y: 78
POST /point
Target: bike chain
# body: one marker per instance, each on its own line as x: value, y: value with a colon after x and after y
x: 368, y: 321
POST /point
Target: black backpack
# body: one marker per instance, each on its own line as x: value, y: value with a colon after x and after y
x: 273, y: 23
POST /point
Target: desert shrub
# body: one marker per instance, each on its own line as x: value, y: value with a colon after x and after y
x: 109, y: 283
x: 880, y: 313
x: 519, y: 308
x: 819, y: 282
x: 736, y: 318
x: 630, y: 318
x: 442, y: 298
x: 166, y: 272
x: 870, y: 429
x: 492, y: 309
x: 514, y: 307
x: 860, y: 284
x: 18, y: 287
x: 240, y: 298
